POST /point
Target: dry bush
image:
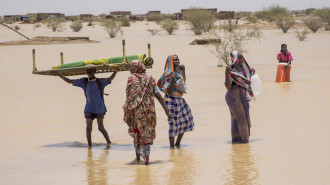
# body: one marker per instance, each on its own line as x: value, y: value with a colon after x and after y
x: 17, y: 28
x: 285, y: 22
x: 125, y: 22
x: 302, y: 35
x: 111, y: 27
x: 313, y: 23
x: 169, y: 25
x: 154, y: 31
x: 156, y: 17
x: 269, y: 14
x: 200, y: 20
x: 324, y: 14
x: 251, y: 18
x: 55, y: 24
x: 235, y: 40
x: 76, y: 26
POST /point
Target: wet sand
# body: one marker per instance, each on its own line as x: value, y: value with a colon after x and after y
x: 42, y: 128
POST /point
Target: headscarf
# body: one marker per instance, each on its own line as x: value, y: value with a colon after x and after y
x: 244, y: 80
x: 169, y: 68
x: 137, y: 85
x: 137, y: 66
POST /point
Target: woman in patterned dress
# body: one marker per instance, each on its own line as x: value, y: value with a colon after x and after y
x: 238, y: 83
x: 139, y: 109
x: 172, y: 83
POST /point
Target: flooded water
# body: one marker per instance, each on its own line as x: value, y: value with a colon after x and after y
x: 42, y: 127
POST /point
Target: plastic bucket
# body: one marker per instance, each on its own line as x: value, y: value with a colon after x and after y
x: 256, y: 84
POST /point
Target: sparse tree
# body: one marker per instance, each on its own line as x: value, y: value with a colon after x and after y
x: 111, y: 27
x: 285, y: 22
x: 200, y: 20
x: 235, y: 40
x: 76, y: 26
x: 302, y: 35
x: 313, y: 23
x: 55, y: 24
x: 324, y: 14
x: 169, y: 25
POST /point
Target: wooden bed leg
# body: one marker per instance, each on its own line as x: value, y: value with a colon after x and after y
x: 149, y: 50
x: 34, y: 60
x: 62, y: 62
x: 124, y: 52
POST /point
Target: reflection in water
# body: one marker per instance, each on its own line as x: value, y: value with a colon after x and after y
x: 142, y: 175
x: 97, y: 168
x: 243, y: 170
x: 183, y: 171
x: 285, y: 86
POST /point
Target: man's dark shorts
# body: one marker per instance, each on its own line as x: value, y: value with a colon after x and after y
x: 93, y: 115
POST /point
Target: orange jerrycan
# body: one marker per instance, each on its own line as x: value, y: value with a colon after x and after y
x: 283, y: 73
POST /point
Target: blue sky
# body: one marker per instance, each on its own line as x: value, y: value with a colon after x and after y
x: 96, y: 7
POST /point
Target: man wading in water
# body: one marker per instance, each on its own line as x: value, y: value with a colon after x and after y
x: 95, y: 108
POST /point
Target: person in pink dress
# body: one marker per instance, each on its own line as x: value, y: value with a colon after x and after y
x: 284, y: 58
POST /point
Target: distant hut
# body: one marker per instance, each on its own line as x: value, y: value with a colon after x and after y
x: 225, y: 15
x: 11, y: 17
x: 42, y: 16
x: 181, y: 16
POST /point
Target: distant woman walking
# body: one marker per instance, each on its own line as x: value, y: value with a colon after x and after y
x: 172, y: 83
x: 139, y: 109
x: 238, y: 80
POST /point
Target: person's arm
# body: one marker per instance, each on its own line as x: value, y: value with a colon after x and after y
x: 65, y: 79
x: 227, y: 79
x: 112, y: 76
x: 161, y: 101
x: 170, y: 89
x: 183, y: 69
x: 289, y: 57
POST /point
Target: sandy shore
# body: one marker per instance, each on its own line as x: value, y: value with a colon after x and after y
x: 42, y: 128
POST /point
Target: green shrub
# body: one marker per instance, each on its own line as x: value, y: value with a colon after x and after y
x: 271, y: 13
x: 302, y: 35
x: 169, y: 25
x: 200, y: 20
x: 55, y: 24
x: 112, y: 27
x: 76, y: 26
